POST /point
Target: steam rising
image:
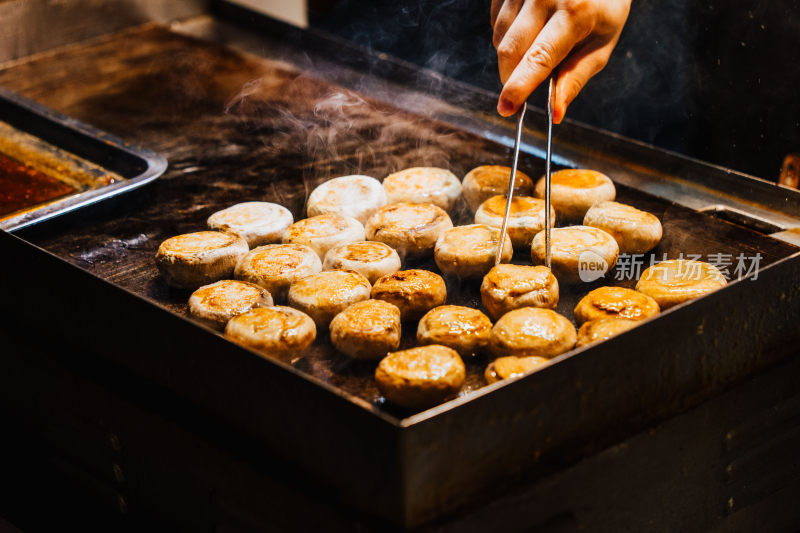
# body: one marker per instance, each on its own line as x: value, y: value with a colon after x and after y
x: 324, y: 131
x: 336, y: 132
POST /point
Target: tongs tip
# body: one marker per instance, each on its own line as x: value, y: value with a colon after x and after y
x: 511, y: 179
x: 551, y: 95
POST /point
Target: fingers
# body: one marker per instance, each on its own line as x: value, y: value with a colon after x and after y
x: 575, y: 72
x: 506, y: 14
x: 496, y: 5
x: 532, y: 37
x: 519, y: 38
x: 550, y: 47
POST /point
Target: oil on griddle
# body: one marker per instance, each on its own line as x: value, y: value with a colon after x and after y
x: 235, y: 128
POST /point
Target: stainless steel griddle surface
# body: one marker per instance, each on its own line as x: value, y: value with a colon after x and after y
x: 272, y: 126
x: 235, y: 128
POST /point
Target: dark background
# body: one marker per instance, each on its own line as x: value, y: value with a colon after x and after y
x: 712, y: 80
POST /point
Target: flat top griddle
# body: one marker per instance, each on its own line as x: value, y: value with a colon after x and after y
x: 236, y: 128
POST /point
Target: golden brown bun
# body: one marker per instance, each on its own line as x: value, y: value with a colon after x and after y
x: 414, y: 292
x: 217, y: 303
x: 603, y: 329
x: 511, y: 366
x: 256, y: 222
x: 411, y: 229
x: 615, y: 302
x: 532, y: 331
x: 276, y: 266
x: 353, y: 196
x: 481, y: 183
x: 469, y: 251
x: 423, y: 185
x: 324, y: 295
x: 279, y: 332
x: 679, y: 280
x: 192, y: 260
x: 463, y: 329
x: 369, y: 258
x: 574, y: 191
x: 635, y: 231
x: 525, y: 220
x: 323, y: 232
x: 421, y: 377
x: 367, y: 330
x: 508, y: 287
x: 577, y: 253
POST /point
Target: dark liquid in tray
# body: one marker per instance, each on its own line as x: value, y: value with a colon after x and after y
x: 22, y: 186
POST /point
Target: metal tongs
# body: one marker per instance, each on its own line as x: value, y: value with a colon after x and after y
x: 512, y: 178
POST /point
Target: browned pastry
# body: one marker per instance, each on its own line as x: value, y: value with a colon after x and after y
x: 508, y: 287
x: 256, y: 222
x: 323, y: 232
x: 635, y: 231
x: 421, y: 377
x: 679, y: 280
x: 367, y: 330
x: 217, y: 303
x: 423, y: 185
x: 411, y: 229
x: 511, y: 366
x: 369, y: 258
x: 276, y: 266
x: 324, y: 295
x: 525, y: 219
x: 469, y: 251
x: 463, y: 329
x: 615, y: 302
x: 602, y: 329
x: 574, y: 191
x: 577, y: 253
x: 278, y: 332
x: 481, y: 183
x: 532, y: 331
x: 192, y: 260
x: 414, y: 292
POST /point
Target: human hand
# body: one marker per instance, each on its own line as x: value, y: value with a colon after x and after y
x: 533, y: 37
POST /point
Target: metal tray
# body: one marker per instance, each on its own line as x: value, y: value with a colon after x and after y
x: 400, y: 467
x: 74, y: 142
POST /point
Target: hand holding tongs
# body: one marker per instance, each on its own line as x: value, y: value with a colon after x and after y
x: 512, y: 178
